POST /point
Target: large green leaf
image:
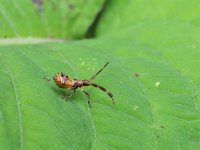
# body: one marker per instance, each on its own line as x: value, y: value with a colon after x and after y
x: 156, y: 106
x: 47, y: 18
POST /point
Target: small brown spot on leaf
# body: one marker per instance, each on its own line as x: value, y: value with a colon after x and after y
x: 162, y: 126
x: 136, y: 74
x: 70, y: 6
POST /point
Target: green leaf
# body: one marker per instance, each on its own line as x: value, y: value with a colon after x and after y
x: 53, y: 19
x: 119, y: 15
x: 171, y: 34
x: 156, y: 105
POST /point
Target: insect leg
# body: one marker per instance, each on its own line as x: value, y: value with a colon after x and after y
x: 104, y: 90
x: 93, y: 77
x: 69, y: 94
x: 86, y: 95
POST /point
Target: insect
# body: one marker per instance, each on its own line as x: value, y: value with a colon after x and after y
x: 63, y: 81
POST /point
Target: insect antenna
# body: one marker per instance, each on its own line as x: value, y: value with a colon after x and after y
x: 93, y: 77
x: 48, y: 79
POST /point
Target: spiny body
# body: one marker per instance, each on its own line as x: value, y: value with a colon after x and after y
x: 63, y: 81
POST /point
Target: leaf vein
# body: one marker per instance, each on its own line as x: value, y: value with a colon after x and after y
x: 18, y: 107
x: 89, y: 112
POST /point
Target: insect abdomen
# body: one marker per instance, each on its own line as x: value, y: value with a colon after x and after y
x: 80, y: 83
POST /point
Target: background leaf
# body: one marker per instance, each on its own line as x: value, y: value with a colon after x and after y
x: 119, y: 15
x: 42, y: 18
x: 158, y: 108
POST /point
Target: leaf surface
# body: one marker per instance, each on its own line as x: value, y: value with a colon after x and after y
x: 119, y: 15
x: 157, y: 108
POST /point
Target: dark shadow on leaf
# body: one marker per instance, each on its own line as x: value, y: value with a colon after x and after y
x: 58, y: 91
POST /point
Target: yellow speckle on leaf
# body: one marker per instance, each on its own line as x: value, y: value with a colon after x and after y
x: 157, y: 84
x: 135, y: 107
x: 82, y: 63
x: 193, y: 46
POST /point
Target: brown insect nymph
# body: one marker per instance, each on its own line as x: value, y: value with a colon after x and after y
x: 63, y: 81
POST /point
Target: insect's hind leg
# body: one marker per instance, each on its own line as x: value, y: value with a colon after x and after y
x: 87, y: 94
x: 104, y: 90
x: 93, y: 77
